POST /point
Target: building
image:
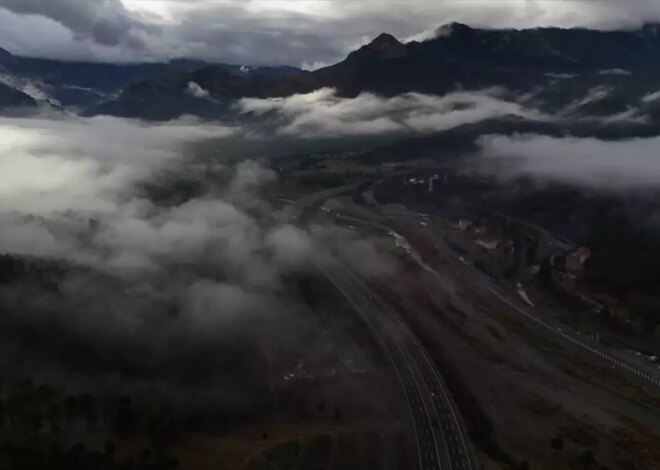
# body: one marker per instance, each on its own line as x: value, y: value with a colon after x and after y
x: 583, y: 254
x: 575, y: 260
x: 464, y: 224
x: 432, y: 180
x: 479, y: 229
x: 488, y: 243
x: 573, y: 264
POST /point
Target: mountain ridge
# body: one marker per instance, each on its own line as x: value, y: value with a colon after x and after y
x: 13, y: 98
x: 84, y: 84
x: 458, y: 57
x: 466, y: 58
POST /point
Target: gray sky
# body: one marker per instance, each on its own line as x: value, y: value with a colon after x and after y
x: 295, y: 32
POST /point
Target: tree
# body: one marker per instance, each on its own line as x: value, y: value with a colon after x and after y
x: 587, y: 458
x: 3, y: 412
x: 125, y: 419
x: 54, y: 416
x: 523, y: 465
x: 557, y: 444
x: 338, y: 414
x: 545, y: 273
x: 109, y: 451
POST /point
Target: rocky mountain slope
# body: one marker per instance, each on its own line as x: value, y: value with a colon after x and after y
x: 12, y: 98
x: 582, y: 71
x: 86, y: 84
x: 567, y: 64
x: 473, y: 58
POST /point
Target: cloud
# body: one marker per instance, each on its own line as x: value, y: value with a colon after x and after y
x: 32, y: 88
x: 81, y: 164
x: 250, y: 175
x: 560, y: 76
x: 593, y: 95
x: 293, y: 32
x: 151, y: 280
x: 291, y: 245
x: 624, y: 164
x: 356, y: 252
x: 614, y: 72
x: 651, y: 97
x: 194, y: 89
x: 323, y: 114
x: 105, y: 22
x: 74, y: 192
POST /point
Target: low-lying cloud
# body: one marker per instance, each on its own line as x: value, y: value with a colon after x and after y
x: 324, y: 114
x: 624, y: 164
x: 147, y: 284
x: 86, y: 164
x: 281, y: 32
x: 615, y: 72
x: 651, y: 97
x: 194, y: 89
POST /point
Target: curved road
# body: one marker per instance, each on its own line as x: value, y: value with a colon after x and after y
x: 642, y: 373
x: 439, y: 432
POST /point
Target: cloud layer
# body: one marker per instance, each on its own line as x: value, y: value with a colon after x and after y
x: 295, y: 32
x: 148, y: 278
x: 323, y: 114
x: 76, y: 164
x: 626, y: 164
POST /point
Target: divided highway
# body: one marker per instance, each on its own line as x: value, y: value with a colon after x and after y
x: 645, y: 374
x: 439, y: 432
x: 587, y: 346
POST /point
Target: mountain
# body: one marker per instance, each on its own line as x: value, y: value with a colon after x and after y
x: 12, y: 98
x: 206, y: 92
x: 86, y: 84
x: 4, y: 54
x: 464, y: 139
x: 588, y: 72
x: 476, y: 58
x: 74, y: 83
x: 565, y: 64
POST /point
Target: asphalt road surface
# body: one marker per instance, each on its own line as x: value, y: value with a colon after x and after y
x: 294, y: 210
x: 439, y: 432
x: 644, y: 374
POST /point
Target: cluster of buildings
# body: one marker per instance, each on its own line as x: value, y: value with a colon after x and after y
x: 483, y: 238
x: 299, y: 372
x: 530, y: 248
x: 428, y: 182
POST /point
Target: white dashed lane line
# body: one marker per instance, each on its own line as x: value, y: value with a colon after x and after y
x: 615, y: 361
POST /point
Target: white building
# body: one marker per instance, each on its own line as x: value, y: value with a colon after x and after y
x: 488, y: 243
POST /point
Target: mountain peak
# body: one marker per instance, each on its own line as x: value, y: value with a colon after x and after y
x: 5, y: 54
x: 385, y: 40
x: 651, y: 29
x: 453, y: 28
x: 383, y: 46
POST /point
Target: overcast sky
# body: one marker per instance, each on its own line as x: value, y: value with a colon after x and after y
x: 295, y: 32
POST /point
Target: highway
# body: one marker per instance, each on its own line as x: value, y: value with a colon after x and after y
x: 586, y: 345
x: 439, y: 432
x: 294, y: 210
x: 646, y: 375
